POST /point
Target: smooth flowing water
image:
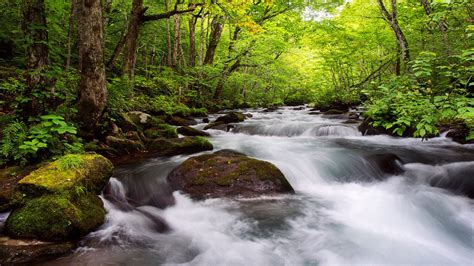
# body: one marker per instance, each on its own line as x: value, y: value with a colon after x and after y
x: 345, y: 210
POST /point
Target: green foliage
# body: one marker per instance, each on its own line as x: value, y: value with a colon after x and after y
x: 70, y: 161
x: 50, y: 135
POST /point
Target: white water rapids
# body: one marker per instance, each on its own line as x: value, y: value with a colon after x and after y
x: 345, y: 211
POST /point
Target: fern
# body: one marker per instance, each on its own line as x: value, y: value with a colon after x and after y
x: 13, y: 136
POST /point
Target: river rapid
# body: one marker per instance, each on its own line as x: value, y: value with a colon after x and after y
x: 345, y: 211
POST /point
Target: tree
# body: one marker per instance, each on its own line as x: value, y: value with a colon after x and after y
x: 391, y: 18
x: 92, y: 86
x: 37, y: 60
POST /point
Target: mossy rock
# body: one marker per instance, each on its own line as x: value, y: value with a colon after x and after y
x: 9, y: 178
x: 217, y: 125
x: 90, y: 171
x: 124, y: 145
x: 127, y: 123
x: 180, y: 121
x: 226, y: 174
x: 16, y: 251
x: 186, y: 145
x: 161, y: 131
x: 232, y: 117
x: 189, y: 131
x: 57, y: 217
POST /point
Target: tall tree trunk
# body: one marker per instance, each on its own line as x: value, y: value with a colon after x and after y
x: 176, y: 41
x: 72, y: 22
x: 92, y: 86
x: 201, y: 43
x: 35, y: 29
x: 216, y: 31
x: 131, y: 39
x: 391, y: 18
x: 192, y: 40
x: 118, y: 49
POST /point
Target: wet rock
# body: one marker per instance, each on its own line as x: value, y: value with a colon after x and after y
x: 205, y: 120
x: 123, y: 145
x: 457, y: 131
x: 90, y: 171
x: 298, y: 108
x: 387, y: 163
x: 14, y: 251
x: 228, y: 173
x: 181, y: 121
x: 351, y: 121
x: 161, y: 131
x: 186, y: 145
x: 344, y: 107
x: 367, y: 129
x: 334, y: 112
x: 248, y: 115
x: 219, y: 126
x: 271, y: 109
x: 232, y: 117
x: 56, y: 217
x: 189, y: 131
x: 9, y: 178
x: 354, y: 115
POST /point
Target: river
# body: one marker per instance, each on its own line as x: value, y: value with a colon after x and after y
x: 345, y: 210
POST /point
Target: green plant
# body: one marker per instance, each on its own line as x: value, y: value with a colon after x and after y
x: 70, y: 161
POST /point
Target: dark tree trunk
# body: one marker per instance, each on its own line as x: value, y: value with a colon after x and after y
x: 70, y: 34
x: 35, y: 29
x: 176, y: 41
x: 216, y: 31
x: 391, y: 18
x: 92, y: 86
x: 192, y: 41
x: 118, y: 49
x: 131, y: 39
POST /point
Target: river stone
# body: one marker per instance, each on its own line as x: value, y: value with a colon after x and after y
x: 124, y: 145
x: 232, y: 117
x: 91, y: 171
x: 186, y: 145
x: 15, y: 251
x: 57, y: 217
x: 228, y: 173
x: 388, y: 163
x: 181, y: 121
x: 189, y: 131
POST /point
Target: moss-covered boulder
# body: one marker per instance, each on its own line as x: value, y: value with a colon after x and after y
x: 8, y: 182
x: 186, y: 145
x: 189, y: 131
x: 123, y: 145
x: 232, y: 117
x: 181, y: 121
x: 161, y: 131
x: 63, y: 216
x: 228, y: 173
x: 91, y: 171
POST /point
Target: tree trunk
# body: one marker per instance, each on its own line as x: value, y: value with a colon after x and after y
x: 201, y: 43
x: 92, y: 86
x: 391, y: 18
x: 216, y: 32
x: 192, y: 41
x: 131, y: 39
x: 35, y: 29
x: 118, y: 49
x: 176, y: 41
x: 72, y: 22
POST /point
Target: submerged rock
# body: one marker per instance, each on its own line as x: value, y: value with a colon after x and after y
x: 232, y: 117
x: 457, y: 131
x: 14, y: 251
x: 228, y: 173
x: 387, y: 163
x: 189, y: 131
x: 219, y: 126
x: 186, y: 145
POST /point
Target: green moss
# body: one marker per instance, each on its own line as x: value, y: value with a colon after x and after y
x: 89, y: 170
x: 169, y: 147
x: 56, y: 217
x: 161, y: 130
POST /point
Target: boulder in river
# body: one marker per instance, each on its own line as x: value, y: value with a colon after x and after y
x: 181, y: 121
x: 186, y: 145
x: 232, y: 117
x: 227, y: 173
x: 161, y: 130
x: 219, y: 126
x: 189, y: 131
x: 387, y: 163
x: 124, y: 145
x: 58, y: 201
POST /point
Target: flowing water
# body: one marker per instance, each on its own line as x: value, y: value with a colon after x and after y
x: 346, y: 210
